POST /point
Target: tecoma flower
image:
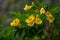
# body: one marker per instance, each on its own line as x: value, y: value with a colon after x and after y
x: 38, y: 20
x: 42, y: 11
x: 27, y: 7
x: 16, y: 23
x: 48, y: 14
x: 50, y: 19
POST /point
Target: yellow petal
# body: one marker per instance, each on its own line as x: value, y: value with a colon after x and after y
x: 48, y: 14
x: 27, y: 7
x: 38, y: 20
x: 31, y: 18
x: 31, y: 23
x: 42, y: 10
x: 50, y: 19
x: 15, y: 22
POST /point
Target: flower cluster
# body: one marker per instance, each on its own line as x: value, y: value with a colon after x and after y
x: 50, y: 18
x: 31, y: 20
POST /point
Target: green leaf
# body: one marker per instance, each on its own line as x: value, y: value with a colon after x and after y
x: 16, y: 14
x: 9, y: 33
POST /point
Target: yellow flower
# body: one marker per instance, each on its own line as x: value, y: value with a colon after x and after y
x: 37, y: 10
x: 42, y: 10
x: 16, y: 22
x: 31, y: 18
x: 50, y: 19
x: 38, y: 20
x: 27, y: 7
x: 48, y: 14
x: 31, y: 23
